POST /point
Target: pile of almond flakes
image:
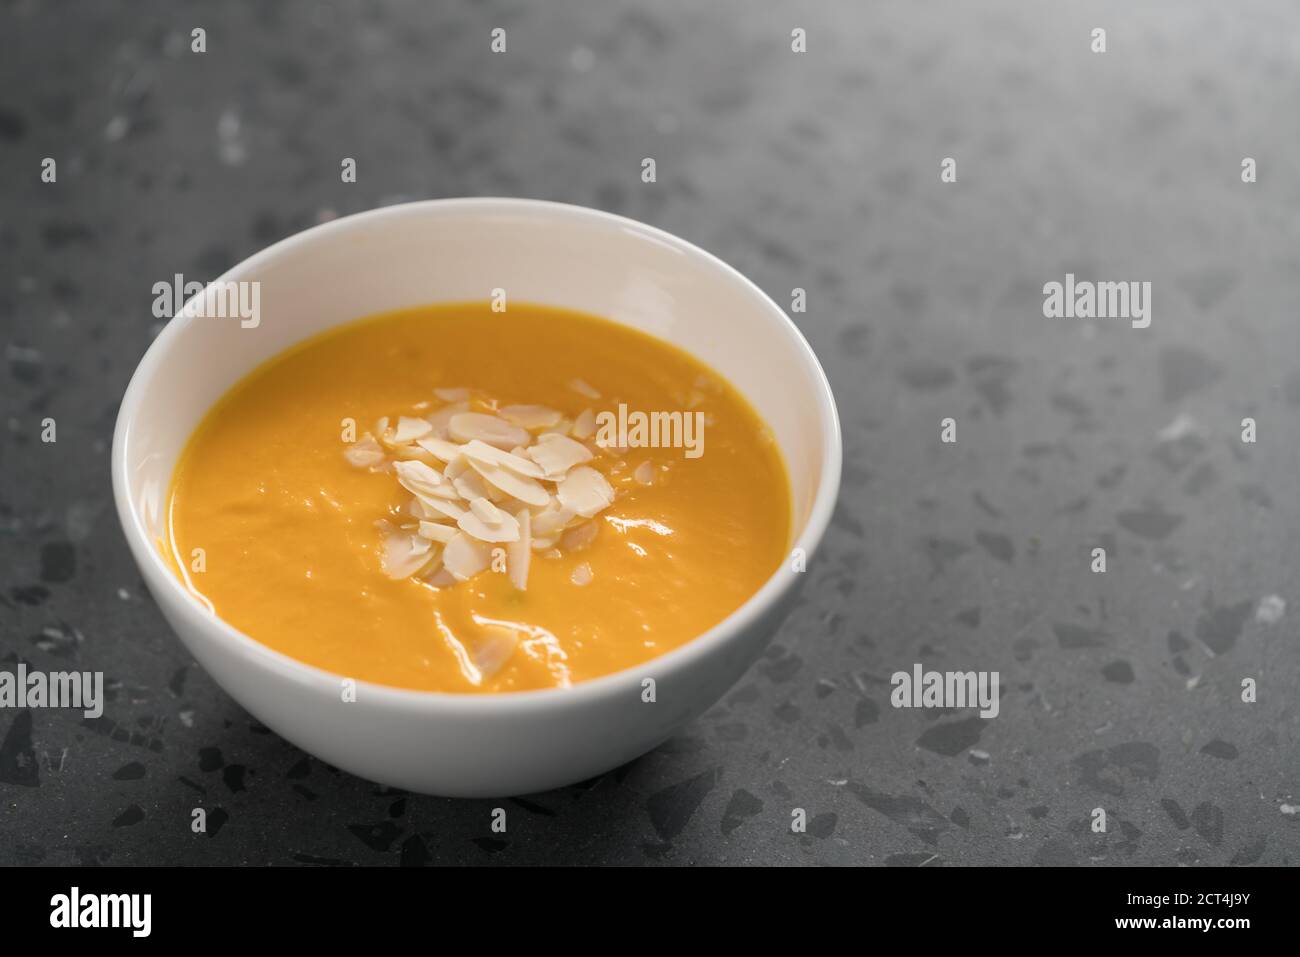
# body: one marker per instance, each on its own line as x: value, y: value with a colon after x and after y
x: 484, y: 477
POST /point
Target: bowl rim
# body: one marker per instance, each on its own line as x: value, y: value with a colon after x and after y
x: 261, y: 656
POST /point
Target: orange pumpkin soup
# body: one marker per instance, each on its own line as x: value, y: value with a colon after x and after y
x: 454, y: 499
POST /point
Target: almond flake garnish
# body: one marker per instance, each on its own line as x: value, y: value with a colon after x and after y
x: 436, y: 533
x: 552, y: 520
x: 404, y: 554
x: 529, y: 491
x: 584, y: 388
x: 446, y: 491
x: 365, y: 452
x: 464, y: 557
x: 531, y: 416
x: 412, y: 453
x: 417, y: 478
x: 584, y: 426
x: 440, y: 449
x: 409, y: 429
x: 556, y: 454
x: 442, y: 507
x: 585, y: 491
x: 441, y: 578
x: 494, y: 649
x: 579, y: 537
x: 481, y: 480
x: 441, y: 420
x: 486, y: 511
x: 504, y: 530
x: 470, y: 485
x: 519, y: 552
x: 491, y: 455
x: 456, y: 467
x: 486, y: 428
x: 645, y: 473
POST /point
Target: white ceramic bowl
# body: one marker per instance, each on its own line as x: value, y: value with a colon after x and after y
x: 458, y: 250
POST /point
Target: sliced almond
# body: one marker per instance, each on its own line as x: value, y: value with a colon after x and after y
x: 417, y: 477
x: 581, y: 575
x: 491, y: 455
x: 364, y: 452
x: 456, y: 467
x: 409, y: 429
x: 486, y: 428
x: 531, y: 416
x: 645, y: 473
x: 486, y: 511
x: 441, y: 506
x: 505, y: 530
x: 527, y: 490
x: 464, y: 557
x: 584, y: 426
x: 556, y: 454
x: 438, y: 576
x: 553, y: 520
x: 422, y: 512
x: 494, y: 649
x: 508, y: 503
x: 446, y: 491
x: 470, y: 485
x: 585, y: 491
x: 519, y: 552
x: 440, y: 449
x: 407, y: 453
x: 436, y: 532
x: 404, y: 554
x: 579, y: 537
x: 441, y: 420
x: 582, y: 387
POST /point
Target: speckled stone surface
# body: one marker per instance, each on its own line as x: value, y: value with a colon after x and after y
x: 820, y: 170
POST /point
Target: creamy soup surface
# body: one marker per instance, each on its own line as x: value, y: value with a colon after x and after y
x: 296, y: 537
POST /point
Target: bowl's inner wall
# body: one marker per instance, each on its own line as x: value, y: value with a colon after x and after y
x: 417, y: 255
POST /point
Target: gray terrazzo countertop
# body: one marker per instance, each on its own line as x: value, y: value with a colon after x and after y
x: 819, y: 170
